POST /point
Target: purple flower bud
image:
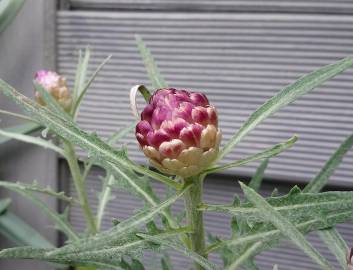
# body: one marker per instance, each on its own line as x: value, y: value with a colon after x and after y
x: 179, y: 132
x: 56, y: 87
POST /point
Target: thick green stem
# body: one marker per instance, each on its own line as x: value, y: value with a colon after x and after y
x: 79, y: 186
x: 193, y: 198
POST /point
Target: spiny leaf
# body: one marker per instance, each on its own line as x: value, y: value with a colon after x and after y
x: 17, y: 115
x: 111, y: 141
x: 35, y: 187
x: 335, y: 244
x: 4, y: 204
x: 256, y: 180
x: 245, y: 256
x: 8, y: 11
x: 330, y: 166
x: 62, y: 224
x: 295, y: 205
x: 19, y: 232
x: 84, y: 89
x: 139, y: 186
x: 275, y: 150
x: 81, y: 74
x: 96, y: 148
x: 151, y: 67
x: 181, y: 248
x: 285, y: 226
x: 286, y: 96
x: 129, y: 245
x: 332, y: 237
x: 127, y: 226
x: 270, y: 236
x: 20, y: 129
x: 104, y: 198
x: 166, y: 262
x: 41, y: 254
x: 32, y: 140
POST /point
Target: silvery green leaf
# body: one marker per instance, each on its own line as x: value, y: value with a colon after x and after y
x: 257, y: 178
x: 285, y: 226
x: 295, y: 205
x: 95, y: 147
x: 8, y: 11
x: 83, y: 88
x: 19, y: 129
x: 81, y: 74
x: 32, y: 140
x: 58, y: 220
x: 332, y: 237
x: 35, y: 187
x: 151, y: 67
x: 108, y: 238
x: 273, y: 151
x: 176, y: 245
x: 289, y: 94
x: 109, y: 254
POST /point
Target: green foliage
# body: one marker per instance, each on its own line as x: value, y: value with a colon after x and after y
x: 284, y: 225
x: 19, y: 129
x: 257, y: 178
x: 287, y: 95
x: 18, y: 231
x: 35, y: 187
x: 31, y: 140
x: 82, y: 86
x: 107, y: 247
x: 273, y: 151
x: 60, y: 220
x: 295, y: 205
x: 330, y: 166
x: 257, y: 223
x: 81, y: 76
x: 151, y: 67
x: 8, y: 11
x: 97, y: 148
x: 307, y: 212
x: 331, y: 236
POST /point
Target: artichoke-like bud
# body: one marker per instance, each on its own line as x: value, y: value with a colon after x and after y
x: 56, y: 87
x: 179, y: 132
x: 350, y: 260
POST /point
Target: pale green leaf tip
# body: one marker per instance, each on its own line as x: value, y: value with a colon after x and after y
x: 242, y: 185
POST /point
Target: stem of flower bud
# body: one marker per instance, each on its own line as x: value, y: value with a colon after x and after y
x: 79, y: 186
x: 193, y: 197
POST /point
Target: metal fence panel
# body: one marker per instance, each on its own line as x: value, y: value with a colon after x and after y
x: 239, y: 60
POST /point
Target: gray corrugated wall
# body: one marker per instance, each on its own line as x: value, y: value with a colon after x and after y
x: 240, y: 53
x: 24, y: 48
x: 239, y: 60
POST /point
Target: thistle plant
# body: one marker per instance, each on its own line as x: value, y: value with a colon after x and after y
x: 179, y: 134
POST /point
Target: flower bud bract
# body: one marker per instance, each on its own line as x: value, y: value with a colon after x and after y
x: 56, y: 87
x: 179, y: 132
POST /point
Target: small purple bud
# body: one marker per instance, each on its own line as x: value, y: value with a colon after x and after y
x: 56, y: 87
x: 179, y: 132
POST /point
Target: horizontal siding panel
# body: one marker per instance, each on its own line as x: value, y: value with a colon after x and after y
x: 323, y: 6
x: 239, y: 60
x: 217, y: 191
